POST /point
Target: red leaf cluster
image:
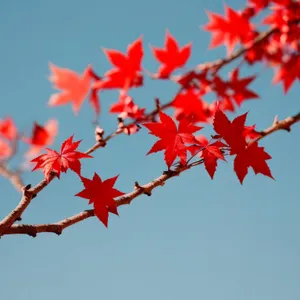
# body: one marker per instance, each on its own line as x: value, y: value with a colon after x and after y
x: 247, y: 154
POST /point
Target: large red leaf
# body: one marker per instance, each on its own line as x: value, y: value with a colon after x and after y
x: 127, y: 68
x: 254, y: 157
x: 230, y: 30
x: 172, y: 140
x: 68, y: 158
x: 171, y: 57
x: 74, y: 87
x: 102, y: 195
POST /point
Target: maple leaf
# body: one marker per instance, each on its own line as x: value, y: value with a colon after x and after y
x: 210, y: 152
x: 231, y: 132
x: 127, y: 71
x: 288, y: 72
x: 5, y: 150
x: 172, y: 140
x: 68, y: 158
x: 171, y: 57
x: 42, y: 136
x: 230, y: 30
x: 247, y: 155
x: 239, y: 87
x: 101, y: 194
x: 74, y: 87
x: 189, y: 105
x: 255, y: 157
x: 8, y: 129
x: 235, y: 89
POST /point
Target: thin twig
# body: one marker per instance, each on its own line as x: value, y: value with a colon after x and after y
x: 13, y: 177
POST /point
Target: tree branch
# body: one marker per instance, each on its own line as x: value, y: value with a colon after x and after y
x: 13, y: 177
x: 33, y: 230
x: 29, y: 193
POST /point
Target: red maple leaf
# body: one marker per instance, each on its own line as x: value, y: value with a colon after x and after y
x: 68, y: 158
x: 239, y: 86
x: 8, y: 129
x: 288, y: 72
x: 232, y: 29
x: 74, y: 87
x: 234, y: 90
x: 127, y: 71
x: 172, y: 140
x: 171, y: 57
x: 189, y: 105
x: 231, y: 132
x: 101, y: 194
x: 42, y: 136
x: 210, y: 152
x: 247, y: 155
x: 5, y: 150
x: 255, y: 157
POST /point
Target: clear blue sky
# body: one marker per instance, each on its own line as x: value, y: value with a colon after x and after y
x: 193, y: 239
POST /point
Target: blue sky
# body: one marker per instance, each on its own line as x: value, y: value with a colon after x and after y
x: 194, y: 238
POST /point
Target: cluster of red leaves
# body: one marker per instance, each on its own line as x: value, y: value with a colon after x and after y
x: 100, y: 193
x: 41, y: 137
x: 189, y: 101
x: 232, y: 138
x: 248, y: 154
x: 125, y: 74
x: 127, y: 109
x: 280, y: 50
